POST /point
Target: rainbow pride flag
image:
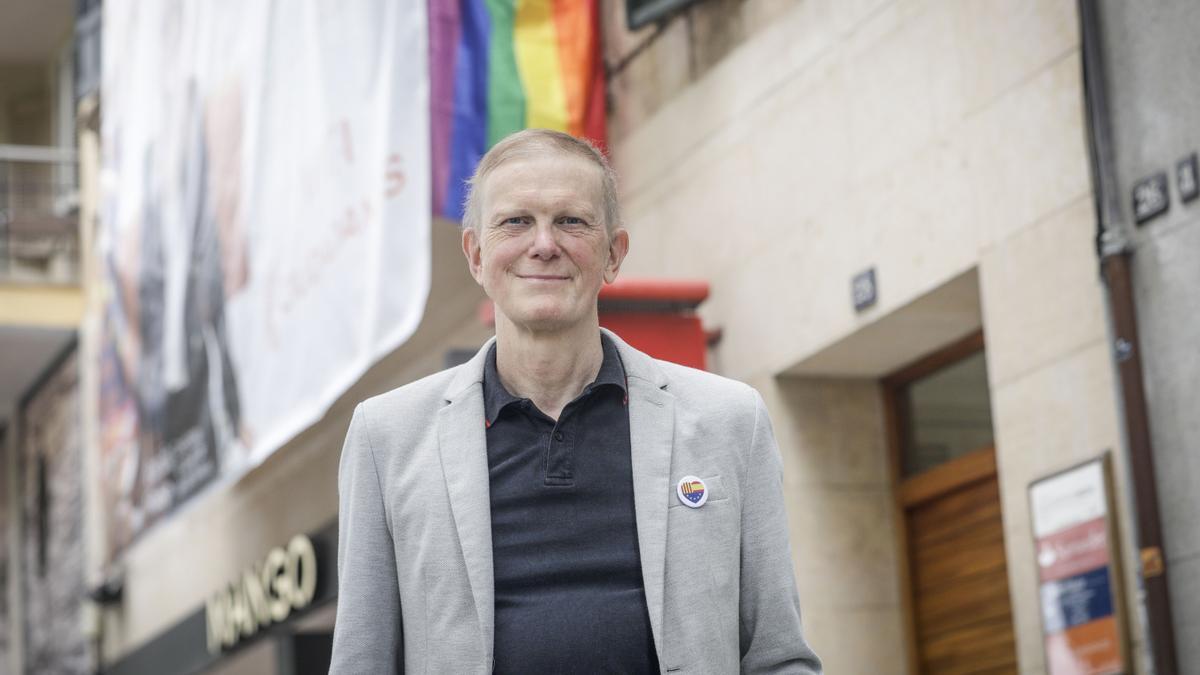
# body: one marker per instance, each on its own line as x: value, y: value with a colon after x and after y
x: 498, y: 66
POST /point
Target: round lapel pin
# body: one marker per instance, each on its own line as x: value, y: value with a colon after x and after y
x: 692, y: 491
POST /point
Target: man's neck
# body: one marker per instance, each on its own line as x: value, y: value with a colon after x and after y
x: 548, y: 368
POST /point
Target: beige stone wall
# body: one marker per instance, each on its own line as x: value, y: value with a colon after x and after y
x: 1054, y: 397
x: 936, y: 141
x: 810, y: 153
x: 841, y: 511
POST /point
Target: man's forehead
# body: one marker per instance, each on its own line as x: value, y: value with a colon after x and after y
x: 508, y: 196
x: 554, y: 180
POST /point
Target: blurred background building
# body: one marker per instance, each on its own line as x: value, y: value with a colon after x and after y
x: 42, y: 301
x: 953, y: 244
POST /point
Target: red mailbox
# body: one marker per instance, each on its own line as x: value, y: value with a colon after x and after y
x: 658, y: 316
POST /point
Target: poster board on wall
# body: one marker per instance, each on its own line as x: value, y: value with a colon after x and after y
x: 1078, y: 564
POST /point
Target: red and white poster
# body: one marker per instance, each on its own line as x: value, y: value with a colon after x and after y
x: 1076, y: 574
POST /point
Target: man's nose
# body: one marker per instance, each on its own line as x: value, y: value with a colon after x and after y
x: 545, y: 240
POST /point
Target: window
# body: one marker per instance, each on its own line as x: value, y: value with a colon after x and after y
x: 641, y: 12
x: 946, y: 414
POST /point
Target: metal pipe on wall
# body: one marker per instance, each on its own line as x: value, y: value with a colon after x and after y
x: 1115, y: 251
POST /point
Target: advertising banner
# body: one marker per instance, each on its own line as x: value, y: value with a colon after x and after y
x: 1076, y: 571
x: 264, y: 229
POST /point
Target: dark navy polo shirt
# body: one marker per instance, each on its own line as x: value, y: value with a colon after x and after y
x: 569, y: 594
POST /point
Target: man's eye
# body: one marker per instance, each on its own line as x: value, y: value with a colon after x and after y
x: 515, y: 220
x: 572, y: 220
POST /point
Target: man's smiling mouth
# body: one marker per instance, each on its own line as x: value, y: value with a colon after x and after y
x: 542, y: 277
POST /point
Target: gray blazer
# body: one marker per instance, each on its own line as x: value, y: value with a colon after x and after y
x: 415, y: 541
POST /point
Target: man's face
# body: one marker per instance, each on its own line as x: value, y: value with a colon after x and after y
x: 542, y: 250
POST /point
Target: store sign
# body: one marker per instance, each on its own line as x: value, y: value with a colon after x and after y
x: 266, y: 594
x: 1077, y: 571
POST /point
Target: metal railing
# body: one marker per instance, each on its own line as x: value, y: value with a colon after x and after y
x: 39, y: 215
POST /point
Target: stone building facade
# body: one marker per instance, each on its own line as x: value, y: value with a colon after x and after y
x: 778, y: 149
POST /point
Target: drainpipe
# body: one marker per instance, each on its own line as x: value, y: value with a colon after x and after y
x: 1115, y: 250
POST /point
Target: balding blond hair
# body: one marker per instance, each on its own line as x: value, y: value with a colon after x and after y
x: 532, y: 142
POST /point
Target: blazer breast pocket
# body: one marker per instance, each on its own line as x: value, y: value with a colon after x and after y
x: 713, y: 527
x: 713, y: 485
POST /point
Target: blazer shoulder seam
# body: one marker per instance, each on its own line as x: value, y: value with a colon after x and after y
x: 387, y: 514
x: 748, y: 456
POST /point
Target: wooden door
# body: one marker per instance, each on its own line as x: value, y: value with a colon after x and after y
x: 948, y: 517
x: 962, y: 620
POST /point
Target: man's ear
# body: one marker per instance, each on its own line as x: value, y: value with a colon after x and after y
x: 470, y: 247
x: 618, y: 246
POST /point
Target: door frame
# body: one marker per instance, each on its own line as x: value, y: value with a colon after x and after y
x: 909, y: 492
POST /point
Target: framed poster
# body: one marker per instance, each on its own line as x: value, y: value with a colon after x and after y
x: 1079, y: 577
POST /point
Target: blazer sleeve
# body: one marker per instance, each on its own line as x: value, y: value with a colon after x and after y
x: 771, y: 637
x: 367, y: 630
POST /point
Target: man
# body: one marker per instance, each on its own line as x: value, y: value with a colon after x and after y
x: 562, y: 502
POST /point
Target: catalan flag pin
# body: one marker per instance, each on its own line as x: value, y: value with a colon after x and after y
x: 692, y: 491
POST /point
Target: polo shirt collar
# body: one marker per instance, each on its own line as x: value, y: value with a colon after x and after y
x: 496, y: 397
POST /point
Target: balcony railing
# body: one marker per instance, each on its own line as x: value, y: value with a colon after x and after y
x: 39, y: 215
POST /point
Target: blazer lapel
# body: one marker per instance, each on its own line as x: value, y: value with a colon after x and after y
x: 651, y: 434
x: 463, y: 446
